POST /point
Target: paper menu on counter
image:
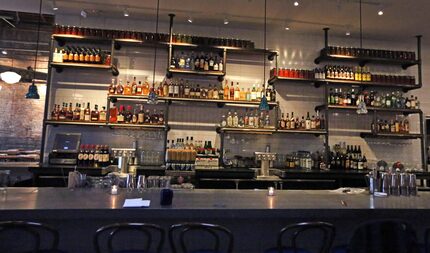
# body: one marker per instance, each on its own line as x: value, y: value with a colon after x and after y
x: 134, y: 203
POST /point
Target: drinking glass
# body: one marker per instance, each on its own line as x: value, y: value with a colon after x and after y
x: 141, y: 183
x: 4, y: 180
x: 130, y: 182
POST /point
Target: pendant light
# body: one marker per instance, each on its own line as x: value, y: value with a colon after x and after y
x: 153, y: 97
x: 32, y: 89
x: 264, y: 106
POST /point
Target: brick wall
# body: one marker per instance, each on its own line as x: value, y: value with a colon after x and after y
x: 21, y: 118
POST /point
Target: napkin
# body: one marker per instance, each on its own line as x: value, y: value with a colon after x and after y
x: 129, y: 203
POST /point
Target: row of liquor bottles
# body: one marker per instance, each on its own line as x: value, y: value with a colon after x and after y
x: 351, y: 97
x: 197, y: 62
x: 186, y: 151
x: 91, y: 155
x: 294, y: 123
x: 151, y: 37
x: 183, y: 89
x: 375, y: 53
x: 250, y: 119
x: 133, y: 115
x: 347, y: 157
x: 398, y: 125
x: 303, y: 160
x: 79, y: 54
x: 79, y: 113
x: 361, y: 74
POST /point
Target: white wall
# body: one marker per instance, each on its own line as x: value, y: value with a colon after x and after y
x: 296, y: 51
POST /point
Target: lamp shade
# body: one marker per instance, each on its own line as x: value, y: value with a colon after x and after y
x: 32, y: 92
x: 10, y: 77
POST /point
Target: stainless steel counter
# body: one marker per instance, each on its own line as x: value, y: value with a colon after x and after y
x: 254, y: 217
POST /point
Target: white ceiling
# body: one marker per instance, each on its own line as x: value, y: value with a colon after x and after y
x: 401, y: 20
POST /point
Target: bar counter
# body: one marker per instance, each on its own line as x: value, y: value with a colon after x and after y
x: 253, y: 217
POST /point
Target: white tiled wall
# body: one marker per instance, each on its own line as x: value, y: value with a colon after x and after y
x: 296, y: 51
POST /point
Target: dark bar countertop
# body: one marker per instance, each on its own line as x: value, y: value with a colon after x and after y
x: 253, y: 217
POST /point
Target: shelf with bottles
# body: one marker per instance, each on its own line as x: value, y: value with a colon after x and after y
x: 197, y: 64
x: 350, y: 99
x: 77, y: 56
x: 250, y: 121
x: 94, y: 156
x: 182, y: 91
x: 347, y: 157
x: 79, y: 115
x: 364, y: 56
x: 307, y: 125
x: 343, y: 75
x: 391, y: 135
x: 132, y: 117
x: 247, y: 130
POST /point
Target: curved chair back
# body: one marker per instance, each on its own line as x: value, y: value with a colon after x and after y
x: 383, y: 236
x: 325, y: 230
x: 36, y: 231
x: 217, y: 234
x: 142, y: 229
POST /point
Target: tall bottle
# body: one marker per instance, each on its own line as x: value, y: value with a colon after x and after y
x: 87, y: 113
x: 226, y: 91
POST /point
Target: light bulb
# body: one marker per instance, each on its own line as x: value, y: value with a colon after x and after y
x: 190, y: 20
x: 296, y: 3
x: 126, y: 13
x: 380, y: 12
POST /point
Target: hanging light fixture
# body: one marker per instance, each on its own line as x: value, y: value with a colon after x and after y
x: 153, y: 97
x: 32, y: 89
x: 264, y: 106
x: 10, y: 76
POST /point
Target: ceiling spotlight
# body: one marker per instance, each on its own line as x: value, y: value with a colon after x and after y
x: 4, y: 52
x: 84, y: 14
x: 226, y: 21
x: 380, y: 12
x: 348, y: 33
x: 54, y: 5
x: 126, y: 13
x: 287, y: 28
x: 190, y: 20
x: 296, y: 3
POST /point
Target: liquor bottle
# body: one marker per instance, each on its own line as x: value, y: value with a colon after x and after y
x: 197, y: 92
x: 128, y: 115
x: 221, y: 65
x: 216, y: 65
x: 134, y: 87
x: 127, y: 89
x: 85, y: 155
x: 87, y: 113
x: 181, y: 88
x: 229, y: 119
x: 91, y: 156
x: 134, y: 118
x: 76, y: 112
x: 161, y: 117
x: 282, y: 122
x: 187, y: 90
x: 210, y: 92
x: 206, y: 64
x: 154, y: 117
x: 236, y: 93
x: 97, y: 156
x: 215, y: 94
x: 235, y: 119
x: 103, y: 114
x: 147, y: 117
x: 82, y: 113
x: 318, y: 121
x: 141, y: 115
x: 211, y: 62
x: 81, y: 155
x: 259, y: 93
x: 95, y: 114
x: 308, y: 122
x: 253, y: 93
x: 181, y: 62
x: 54, y: 113
x: 121, y: 115
x: 232, y: 91
x: 176, y: 90
x: 242, y: 96
x: 119, y: 88
x: 313, y: 122
x: 226, y: 91
x: 292, y: 121
x: 145, y: 89
x: 221, y: 92
x: 197, y: 63
x: 287, y: 122
x: 112, y: 87
x: 113, y: 114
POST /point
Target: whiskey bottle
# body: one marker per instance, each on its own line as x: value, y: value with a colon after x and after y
x: 103, y: 114
x: 141, y: 115
x: 181, y: 61
x: 76, y: 112
x: 215, y: 94
x: 127, y: 89
x: 121, y: 116
x: 87, y: 113
x: 95, y: 115
x: 119, y: 88
x: 232, y: 91
x: 161, y: 118
x: 69, y: 112
x: 147, y: 117
x: 282, y: 122
x: 145, y: 90
x: 112, y: 87
x: 236, y: 93
x: 226, y: 92
x: 134, y: 87
x: 82, y: 112
x: 128, y: 115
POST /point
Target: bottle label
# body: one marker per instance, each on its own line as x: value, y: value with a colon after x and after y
x: 85, y: 157
x: 80, y: 156
x: 96, y: 157
x: 91, y: 157
x: 87, y: 117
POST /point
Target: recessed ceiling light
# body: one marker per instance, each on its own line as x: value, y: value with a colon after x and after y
x: 287, y: 28
x: 4, y: 52
x: 190, y: 20
x: 380, y: 12
x: 226, y: 21
x: 126, y: 13
x: 296, y: 3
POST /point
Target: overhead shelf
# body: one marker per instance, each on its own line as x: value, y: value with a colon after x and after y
x: 363, y: 60
x: 319, y: 82
x: 390, y: 135
x: 243, y: 130
x: 377, y: 109
x: 138, y: 126
x: 80, y: 65
x: 193, y: 100
x: 316, y: 132
x: 75, y: 123
x: 195, y: 72
x: 74, y: 38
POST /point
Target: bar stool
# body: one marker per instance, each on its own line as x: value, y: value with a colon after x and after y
x: 324, y: 230
x: 382, y: 236
x: 114, y: 231
x: 180, y: 238
x: 24, y: 236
